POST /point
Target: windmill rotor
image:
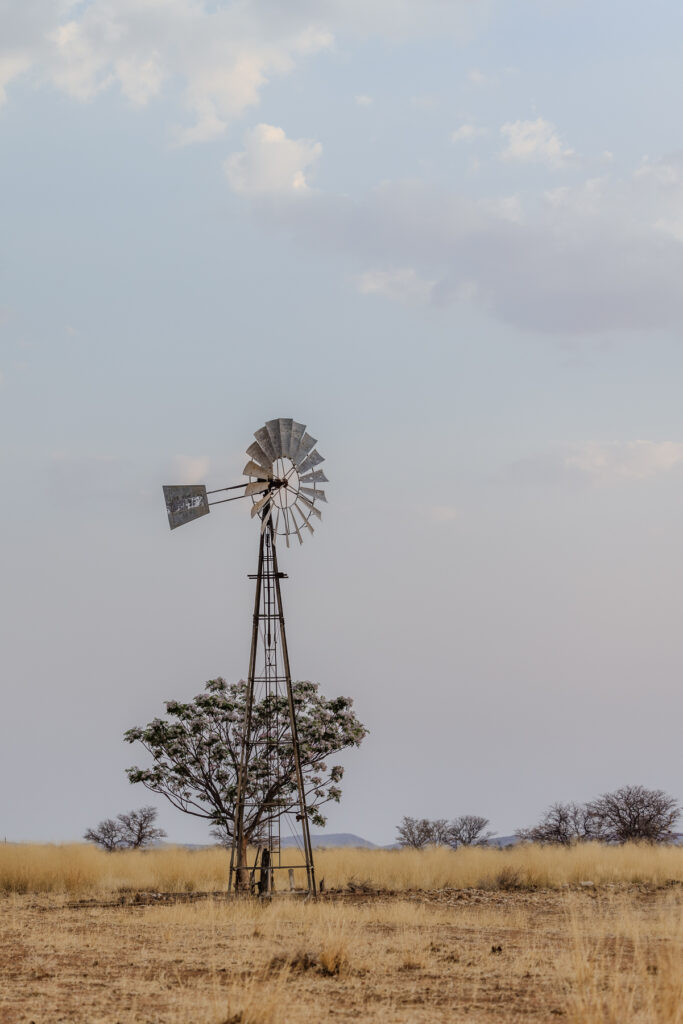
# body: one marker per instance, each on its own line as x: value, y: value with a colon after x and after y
x: 284, y: 477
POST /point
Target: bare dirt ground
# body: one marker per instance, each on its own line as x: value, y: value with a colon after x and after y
x: 581, y: 954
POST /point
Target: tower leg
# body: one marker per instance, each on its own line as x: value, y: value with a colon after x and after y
x: 302, y: 816
x: 239, y: 874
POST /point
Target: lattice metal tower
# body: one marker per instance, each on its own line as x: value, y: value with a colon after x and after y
x: 271, y: 786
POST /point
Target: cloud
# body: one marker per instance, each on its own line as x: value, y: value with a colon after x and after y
x: 477, y: 77
x: 467, y: 132
x: 191, y: 469
x: 222, y: 54
x: 363, y: 101
x: 607, y: 462
x: 600, y: 256
x: 271, y: 164
x: 401, y: 284
x: 534, y: 141
x: 11, y: 66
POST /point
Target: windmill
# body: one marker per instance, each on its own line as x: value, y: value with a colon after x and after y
x: 283, y: 484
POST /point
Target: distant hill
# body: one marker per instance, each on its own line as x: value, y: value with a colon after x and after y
x: 324, y: 839
x: 503, y: 841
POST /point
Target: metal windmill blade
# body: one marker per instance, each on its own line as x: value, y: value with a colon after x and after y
x: 297, y: 432
x: 318, y: 477
x: 273, y: 428
x: 285, y: 435
x: 310, y: 462
x: 305, y: 445
x: 314, y: 493
x: 256, y: 452
x: 254, y: 469
x: 263, y: 438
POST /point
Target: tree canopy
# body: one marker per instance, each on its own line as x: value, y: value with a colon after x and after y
x: 131, y: 831
x: 195, y: 753
x: 628, y: 814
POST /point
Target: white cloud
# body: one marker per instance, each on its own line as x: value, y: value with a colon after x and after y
x: 588, y: 259
x: 363, y: 101
x: 534, y: 141
x: 607, y: 462
x: 191, y: 469
x: 11, y: 66
x: 467, y: 132
x: 271, y: 164
x: 478, y: 77
x: 400, y: 284
x: 222, y: 54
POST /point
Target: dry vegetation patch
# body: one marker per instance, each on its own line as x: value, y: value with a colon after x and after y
x: 605, y: 953
x: 82, y: 869
x: 420, y: 957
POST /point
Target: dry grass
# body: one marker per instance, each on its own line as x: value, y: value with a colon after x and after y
x: 81, y: 869
x: 407, y: 938
x: 588, y: 957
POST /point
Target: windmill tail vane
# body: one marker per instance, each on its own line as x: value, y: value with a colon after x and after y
x: 283, y: 478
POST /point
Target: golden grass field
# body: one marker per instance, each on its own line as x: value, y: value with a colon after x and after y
x: 473, y: 935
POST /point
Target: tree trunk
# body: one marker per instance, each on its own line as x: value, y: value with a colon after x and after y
x: 242, y: 869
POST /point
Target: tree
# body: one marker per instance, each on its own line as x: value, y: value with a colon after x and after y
x: 634, y: 813
x: 414, y: 832
x: 563, y: 824
x: 468, y: 830
x: 107, y: 835
x: 139, y: 829
x: 196, y: 754
x: 439, y: 832
x: 127, y: 831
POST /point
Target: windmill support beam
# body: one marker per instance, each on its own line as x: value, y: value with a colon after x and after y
x: 269, y: 641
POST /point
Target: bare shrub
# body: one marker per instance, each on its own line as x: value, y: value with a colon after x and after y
x: 634, y: 813
x: 629, y: 814
x: 468, y: 830
x: 107, y: 835
x: 131, y: 831
x: 562, y: 823
x: 414, y: 832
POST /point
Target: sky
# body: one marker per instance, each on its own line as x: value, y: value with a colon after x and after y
x: 447, y: 235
